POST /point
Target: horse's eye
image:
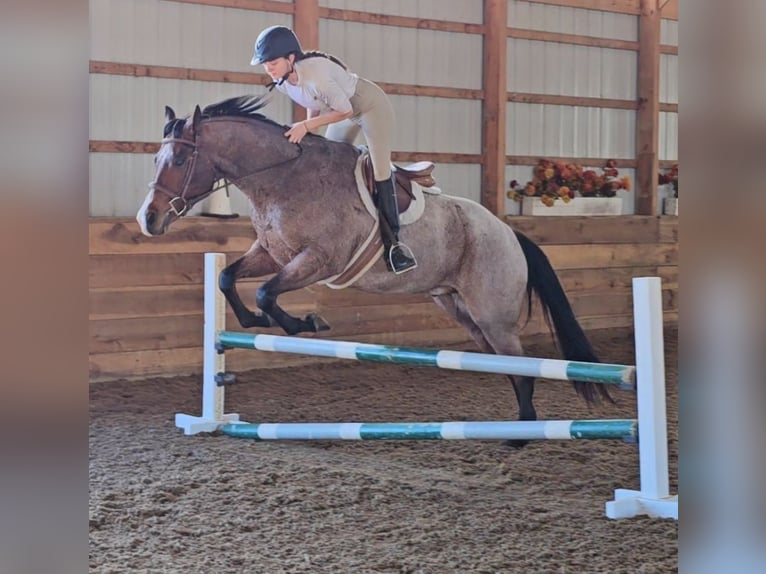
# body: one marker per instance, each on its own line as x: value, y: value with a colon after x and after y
x: 179, y: 161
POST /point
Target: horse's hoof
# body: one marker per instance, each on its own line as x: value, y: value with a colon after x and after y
x: 317, y: 323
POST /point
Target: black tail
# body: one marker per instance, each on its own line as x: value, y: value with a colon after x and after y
x: 572, y: 341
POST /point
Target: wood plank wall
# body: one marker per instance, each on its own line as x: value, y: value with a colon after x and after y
x: 146, y: 293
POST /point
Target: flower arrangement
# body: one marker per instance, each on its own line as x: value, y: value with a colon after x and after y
x: 558, y: 180
x: 670, y: 178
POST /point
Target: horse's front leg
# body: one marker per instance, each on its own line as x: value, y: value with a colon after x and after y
x: 255, y: 263
x: 305, y: 269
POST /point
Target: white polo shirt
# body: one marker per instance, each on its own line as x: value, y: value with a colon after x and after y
x: 322, y: 85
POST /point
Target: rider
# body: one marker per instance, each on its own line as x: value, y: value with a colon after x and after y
x: 334, y: 96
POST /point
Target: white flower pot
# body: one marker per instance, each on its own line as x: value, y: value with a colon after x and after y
x: 670, y: 206
x: 577, y: 206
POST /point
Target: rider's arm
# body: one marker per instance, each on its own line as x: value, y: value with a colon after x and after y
x: 326, y: 89
x: 314, y: 123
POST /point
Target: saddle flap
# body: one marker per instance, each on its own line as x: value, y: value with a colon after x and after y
x: 416, y: 170
x: 403, y: 186
x: 423, y: 180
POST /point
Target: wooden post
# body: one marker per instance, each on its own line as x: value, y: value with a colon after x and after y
x: 306, y: 27
x: 648, y: 115
x: 669, y: 9
x: 494, y: 105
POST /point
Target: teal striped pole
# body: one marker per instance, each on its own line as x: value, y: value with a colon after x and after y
x: 623, y: 375
x: 625, y: 429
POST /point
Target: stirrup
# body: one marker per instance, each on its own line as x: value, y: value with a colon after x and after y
x: 407, y: 252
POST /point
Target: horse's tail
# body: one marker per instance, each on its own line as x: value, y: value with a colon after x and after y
x: 574, y: 345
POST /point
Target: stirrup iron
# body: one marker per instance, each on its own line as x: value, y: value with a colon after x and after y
x: 407, y: 252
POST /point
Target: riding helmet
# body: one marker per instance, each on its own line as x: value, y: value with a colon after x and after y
x: 275, y: 42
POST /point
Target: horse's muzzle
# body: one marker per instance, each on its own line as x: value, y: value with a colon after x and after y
x: 152, y: 223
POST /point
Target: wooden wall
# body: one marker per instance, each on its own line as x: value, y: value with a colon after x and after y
x: 146, y: 293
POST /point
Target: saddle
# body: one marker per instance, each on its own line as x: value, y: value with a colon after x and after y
x: 372, y: 248
x: 419, y: 172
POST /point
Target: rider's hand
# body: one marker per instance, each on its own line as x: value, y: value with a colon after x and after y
x: 297, y: 132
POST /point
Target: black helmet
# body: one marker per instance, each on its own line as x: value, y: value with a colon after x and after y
x: 274, y: 42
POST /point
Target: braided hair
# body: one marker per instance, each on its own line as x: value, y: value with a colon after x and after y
x: 318, y: 54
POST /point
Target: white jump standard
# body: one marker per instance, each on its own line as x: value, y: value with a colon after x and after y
x: 647, y: 377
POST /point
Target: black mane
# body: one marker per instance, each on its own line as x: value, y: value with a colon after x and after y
x: 241, y: 107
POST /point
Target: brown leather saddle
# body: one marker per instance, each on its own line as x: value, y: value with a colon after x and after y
x: 419, y: 172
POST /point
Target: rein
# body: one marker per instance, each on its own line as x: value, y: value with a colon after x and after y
x: 186, y: 204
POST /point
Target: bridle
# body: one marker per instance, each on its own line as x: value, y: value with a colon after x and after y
x: 155, y: 185
x: 185, y: 204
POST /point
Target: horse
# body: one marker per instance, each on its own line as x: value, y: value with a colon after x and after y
x: 309, y: 221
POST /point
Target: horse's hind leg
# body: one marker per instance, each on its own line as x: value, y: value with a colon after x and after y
x: 452, y: 305
x: 255, y: 263
x: 497, y: 337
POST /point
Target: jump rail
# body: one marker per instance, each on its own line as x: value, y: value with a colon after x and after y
x: 647, y: 378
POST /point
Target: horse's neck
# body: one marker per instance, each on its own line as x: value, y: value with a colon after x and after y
x: 248, y: 150
x: 266, y: 167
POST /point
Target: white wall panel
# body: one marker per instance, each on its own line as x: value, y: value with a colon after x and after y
x: 619, y: 78
x: 405, y: 55
x: 567, y: 70
x: 668, y: 137
x: 669, y: 32
x: 133, y: 109
x: 461, y: 180
x: 176, y: 34
x: 437, y: 124
x: 668, y: 78
x: 668, y: 125
x: 118, y: 182
x: 469, y: 11
x: 564, y: 20
x: 567, y: 131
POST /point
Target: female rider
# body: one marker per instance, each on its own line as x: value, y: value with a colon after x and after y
x: 335, y: 97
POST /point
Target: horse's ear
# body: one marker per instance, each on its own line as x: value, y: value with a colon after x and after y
x: 170, y: 115
x: 196, y: 118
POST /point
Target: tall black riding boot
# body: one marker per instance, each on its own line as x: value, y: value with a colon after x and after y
x: 397, y: 255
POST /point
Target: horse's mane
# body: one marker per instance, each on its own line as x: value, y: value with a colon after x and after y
x: 240, y: 107
x: 248, y: 107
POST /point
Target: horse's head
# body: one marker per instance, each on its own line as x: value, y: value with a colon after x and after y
x: 184, y: 174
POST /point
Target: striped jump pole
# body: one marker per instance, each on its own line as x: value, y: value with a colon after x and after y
x: 625, y: 429
x: 647, y: 377
x: 621, y: 375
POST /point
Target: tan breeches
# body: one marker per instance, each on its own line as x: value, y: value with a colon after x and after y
x: 374, y: 115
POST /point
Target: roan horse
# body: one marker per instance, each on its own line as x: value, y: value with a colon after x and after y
x: 309, y: 221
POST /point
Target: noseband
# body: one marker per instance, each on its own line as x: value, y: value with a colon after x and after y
x: 180, y: 198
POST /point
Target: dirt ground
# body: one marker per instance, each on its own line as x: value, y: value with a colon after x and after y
x: 162, y: 502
